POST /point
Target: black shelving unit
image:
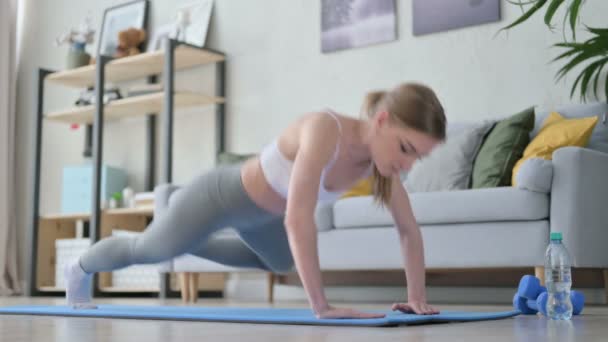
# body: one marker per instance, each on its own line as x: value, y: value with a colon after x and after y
x: 168, y: 72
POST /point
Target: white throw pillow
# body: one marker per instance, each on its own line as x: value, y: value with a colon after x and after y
x: 535, y: 174
x: 449, y: 165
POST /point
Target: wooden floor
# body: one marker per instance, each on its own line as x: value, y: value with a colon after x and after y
x: 592, y: 326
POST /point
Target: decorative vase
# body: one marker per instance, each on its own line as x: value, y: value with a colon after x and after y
x: 77, y: 57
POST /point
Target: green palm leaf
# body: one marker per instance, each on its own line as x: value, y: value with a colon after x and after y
x: 520, y: 3
x: 553, y: 6
x: 593, y: 68
x: 584, y: 77
x: 602, y: 32
x: 593, y: 51
x: 581, y: 57
x: 606, y: 88
x: 597, y: 77
x: 574, y: 9
x: 537, y: 5
x: 575, y: 49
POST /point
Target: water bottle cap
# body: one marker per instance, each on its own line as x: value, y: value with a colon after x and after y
x: 556, y: 236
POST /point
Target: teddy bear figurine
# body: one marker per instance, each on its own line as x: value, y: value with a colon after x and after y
x: 129, y: 41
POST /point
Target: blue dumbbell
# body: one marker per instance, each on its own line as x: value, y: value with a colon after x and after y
x: 576, y: 298
x: 578, y: 302
x: 530, y: 288
x: 521, y: 304
x: 530, y: 307
x: 532, y: 298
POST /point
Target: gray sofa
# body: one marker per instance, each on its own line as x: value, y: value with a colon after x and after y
x: 503, y: 227
x: 473, y: 228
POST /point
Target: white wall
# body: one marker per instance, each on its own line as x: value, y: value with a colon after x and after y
x: 276, y: 73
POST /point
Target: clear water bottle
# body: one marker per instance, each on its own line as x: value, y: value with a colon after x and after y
x: 558, y: 279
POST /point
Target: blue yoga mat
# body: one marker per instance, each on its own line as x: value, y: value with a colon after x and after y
x: 249, y: 315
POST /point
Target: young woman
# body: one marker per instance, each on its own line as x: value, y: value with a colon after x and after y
x: 270, y: 199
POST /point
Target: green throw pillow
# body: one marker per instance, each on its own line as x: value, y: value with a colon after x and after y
x: 502, y: 148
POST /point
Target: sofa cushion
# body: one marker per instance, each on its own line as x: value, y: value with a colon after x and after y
x: 454, y: 128
x: 449, y: 165
x: 556, y: 132
x: 446, y: 207
x: 465, y: 245
x: 501, y: 149
x: 599, y: 137
x: 363, y: 187
x: 535, y: 174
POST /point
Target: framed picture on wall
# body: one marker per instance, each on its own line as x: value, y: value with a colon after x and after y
x: 347, y: 24
x: 118, y: 18
x: 431, y: 16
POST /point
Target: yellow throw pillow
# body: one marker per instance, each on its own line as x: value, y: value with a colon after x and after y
x: 363, y: 187
x: 557, y: 132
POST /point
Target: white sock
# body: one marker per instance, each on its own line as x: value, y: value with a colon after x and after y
x: 78, y: 284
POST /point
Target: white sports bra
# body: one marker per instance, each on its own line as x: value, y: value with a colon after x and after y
x: 277, y: 168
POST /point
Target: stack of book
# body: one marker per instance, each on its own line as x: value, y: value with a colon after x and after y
x: 144, y: 200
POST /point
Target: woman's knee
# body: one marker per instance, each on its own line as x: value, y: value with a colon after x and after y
x: 141, y: 253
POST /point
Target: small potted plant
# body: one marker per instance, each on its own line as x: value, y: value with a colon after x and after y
x: 115, y: 200
x: 78, y: 39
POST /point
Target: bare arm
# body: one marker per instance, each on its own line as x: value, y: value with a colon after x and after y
x: 316, y: 146
x: 412, y: 250
x: 310, y: 159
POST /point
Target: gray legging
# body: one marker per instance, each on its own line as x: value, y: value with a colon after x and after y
x: 209, y: 203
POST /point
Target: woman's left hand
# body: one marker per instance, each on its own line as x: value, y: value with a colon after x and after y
x: 419, y: 308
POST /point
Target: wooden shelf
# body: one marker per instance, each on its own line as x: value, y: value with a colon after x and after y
x: 127, y: 290
x: 103, y: 289
x: 67, y: 217
x: 130, y: 211
x: 51, y: 289
x: 138, y: 66
x: 132, y: 106
x: 145, y: 211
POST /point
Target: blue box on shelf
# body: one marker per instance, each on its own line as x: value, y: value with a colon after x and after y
x: 77, y: 189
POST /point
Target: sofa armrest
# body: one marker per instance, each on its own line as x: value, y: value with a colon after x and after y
x: 162, y: 194
x: 579, y: 199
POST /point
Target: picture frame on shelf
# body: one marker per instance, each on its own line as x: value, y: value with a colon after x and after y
x: 192, y: 22
x: 159, y: 36
x: 132, y: 14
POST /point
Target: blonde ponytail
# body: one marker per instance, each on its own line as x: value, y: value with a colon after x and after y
x: 381, y: 185
x: 370, y: 102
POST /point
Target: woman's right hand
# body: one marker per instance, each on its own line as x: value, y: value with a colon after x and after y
x: 339, y: 313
